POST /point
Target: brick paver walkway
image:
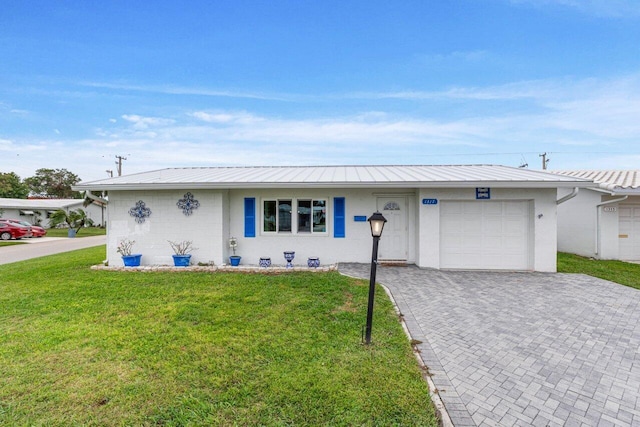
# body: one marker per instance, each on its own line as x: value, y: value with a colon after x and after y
x: 523, y: 349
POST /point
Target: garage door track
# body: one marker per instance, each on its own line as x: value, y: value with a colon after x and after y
x: 523, y: 349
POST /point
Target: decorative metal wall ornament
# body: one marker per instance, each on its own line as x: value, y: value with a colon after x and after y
x: 188, y: 204
x: 140, y: 212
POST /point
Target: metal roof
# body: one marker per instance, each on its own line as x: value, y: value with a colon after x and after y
x: 335, y: 176
x: 617, y: 181
x: 46, y: 204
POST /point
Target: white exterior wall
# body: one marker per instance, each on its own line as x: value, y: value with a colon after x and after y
x: 355, y: 247
x: 543, y: 203
x: 588, y: 230
x: 577, y: 222
x: 221, y: 216
x: 205, y: 226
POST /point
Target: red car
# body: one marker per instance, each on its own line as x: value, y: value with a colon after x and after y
x: 36, y: 230
x: 19, y: 224
x: 12, y: 231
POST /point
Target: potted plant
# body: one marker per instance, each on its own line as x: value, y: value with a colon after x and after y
x: 124, y: 249
x: 234, y: 259
x: 74, y: 220
x: 182, y: 257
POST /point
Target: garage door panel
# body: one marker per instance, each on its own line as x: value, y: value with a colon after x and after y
x: 485, y: 235
x: 491, y: 208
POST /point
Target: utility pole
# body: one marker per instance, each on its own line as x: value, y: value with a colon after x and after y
x: 119, y: 163
x: 110, y: 173
x: 544, y: 160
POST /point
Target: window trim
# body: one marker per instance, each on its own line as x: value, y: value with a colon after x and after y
x: 294, y: 216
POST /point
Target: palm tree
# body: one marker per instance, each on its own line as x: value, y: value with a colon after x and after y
x: 73, y: 219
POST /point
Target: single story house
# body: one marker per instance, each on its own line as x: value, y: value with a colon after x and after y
x: 445, y: 217
x: 604, y: 221
x: 38, y: 210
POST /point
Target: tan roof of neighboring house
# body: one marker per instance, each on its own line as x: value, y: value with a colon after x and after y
x: 336, y: 176
x: 612, y: 180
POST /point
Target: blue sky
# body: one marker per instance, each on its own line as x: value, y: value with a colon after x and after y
x: 202, y: 83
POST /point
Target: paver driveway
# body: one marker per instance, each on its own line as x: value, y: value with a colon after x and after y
x: 523, y: 348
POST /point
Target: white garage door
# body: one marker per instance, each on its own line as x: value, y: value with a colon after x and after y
x: 629, y: 231
x: 485, y: 235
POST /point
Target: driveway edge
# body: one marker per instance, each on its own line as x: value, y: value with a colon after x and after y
x: 441, y: 410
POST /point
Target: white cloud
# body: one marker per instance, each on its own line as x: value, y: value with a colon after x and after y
x: 140, y: 122
x: 178, y: 90
x: 600, y: 8
x: 570, y: 119
x: 224, y: 117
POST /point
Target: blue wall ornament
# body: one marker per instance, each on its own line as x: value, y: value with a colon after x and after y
x: 140, y: 212
x: 188, y: 204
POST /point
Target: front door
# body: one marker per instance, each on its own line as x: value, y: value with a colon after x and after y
x: 393, y: 243
x: 629, y: 231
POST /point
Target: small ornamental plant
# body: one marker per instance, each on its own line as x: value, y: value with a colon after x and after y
x: 233, y: 244
x: 125, y: 246
x: 182, y: 248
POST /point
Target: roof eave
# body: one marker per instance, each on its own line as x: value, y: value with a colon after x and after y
x: 261, y: 185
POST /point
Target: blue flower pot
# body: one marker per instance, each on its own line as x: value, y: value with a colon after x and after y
x: 182, y: 260
x: 235, y: 260
x: 131, y: 260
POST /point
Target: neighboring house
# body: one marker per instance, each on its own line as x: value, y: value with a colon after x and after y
x: 602, y: 222
x: 34, y: 210
x: 459, y: 217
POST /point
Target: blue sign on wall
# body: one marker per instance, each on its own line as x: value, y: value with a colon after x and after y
x: 483, y: 193
x: 429, y: 201
x: 360, y: 218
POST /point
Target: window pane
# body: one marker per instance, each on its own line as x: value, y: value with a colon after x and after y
x: 284, y: 215
x: 304, y: 216
x: 269, y: 215
x: 320, y: 216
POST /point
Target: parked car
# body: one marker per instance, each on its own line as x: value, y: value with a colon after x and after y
x: 36, y: 230
x: 19, y: 224
x: 10, y: 231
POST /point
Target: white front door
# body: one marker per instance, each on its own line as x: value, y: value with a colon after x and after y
x: 393, y: 243
x: 629, y: 232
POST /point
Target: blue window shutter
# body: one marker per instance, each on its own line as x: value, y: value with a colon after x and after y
x: 338, y: 217
x: 249, y: 217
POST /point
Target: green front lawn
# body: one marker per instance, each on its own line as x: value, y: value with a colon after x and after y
x: 84, y: 232
x: 82, y: 347
x: 621, y: 272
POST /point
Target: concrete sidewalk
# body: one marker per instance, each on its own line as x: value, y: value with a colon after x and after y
x: 44, y: 246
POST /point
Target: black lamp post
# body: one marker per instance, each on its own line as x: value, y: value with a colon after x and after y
x: 376, y: 221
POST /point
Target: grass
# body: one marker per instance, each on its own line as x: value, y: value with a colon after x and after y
x: 625, y: 273
x: 83, y: 347
x: 84, y: 232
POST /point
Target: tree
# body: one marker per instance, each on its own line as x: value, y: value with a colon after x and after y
x: 53, y: 183
x: 73, y: 219
x: 12, y: 187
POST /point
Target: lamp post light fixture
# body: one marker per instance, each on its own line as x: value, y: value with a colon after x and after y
x: 376, y: 221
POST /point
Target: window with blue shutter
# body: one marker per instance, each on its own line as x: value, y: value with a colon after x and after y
x: 338, y: 217
x: 249, y: 217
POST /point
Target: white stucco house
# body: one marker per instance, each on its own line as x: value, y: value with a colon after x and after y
x: 445, y: 217
x: 602, y: 222
x: 33, y: 209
